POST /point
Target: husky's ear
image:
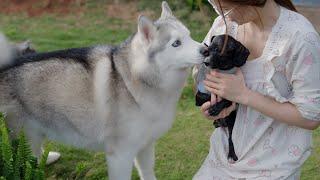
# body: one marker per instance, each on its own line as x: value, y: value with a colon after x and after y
x: 146, y: 29
x: 166, y: 11
x: 24, y: 45
x: 24, y: 48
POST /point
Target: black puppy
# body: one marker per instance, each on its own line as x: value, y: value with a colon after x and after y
x: 224, y: 56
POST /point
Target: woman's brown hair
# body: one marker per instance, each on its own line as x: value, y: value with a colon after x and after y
x: 260, y: 3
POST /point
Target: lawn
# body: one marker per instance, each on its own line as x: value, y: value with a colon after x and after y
x: 180, y: 152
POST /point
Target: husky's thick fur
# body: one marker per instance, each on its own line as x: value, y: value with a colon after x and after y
x: 114, y: 99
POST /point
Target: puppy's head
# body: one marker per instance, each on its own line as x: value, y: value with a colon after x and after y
x: 234, y: 55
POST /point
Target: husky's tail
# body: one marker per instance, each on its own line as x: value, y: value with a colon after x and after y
x: 6, y: 52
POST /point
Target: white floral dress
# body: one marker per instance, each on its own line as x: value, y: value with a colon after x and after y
x: 288, y: 71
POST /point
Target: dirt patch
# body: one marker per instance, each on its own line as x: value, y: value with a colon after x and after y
x: 125, y: 11
x: 114, y: 8
x: 36, y: 7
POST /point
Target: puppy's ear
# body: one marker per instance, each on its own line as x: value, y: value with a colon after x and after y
x: 241, y: 55
x: 146, y: 29
x: 212, y: 38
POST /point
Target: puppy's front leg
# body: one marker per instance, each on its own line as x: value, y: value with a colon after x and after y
x: 144, y: 162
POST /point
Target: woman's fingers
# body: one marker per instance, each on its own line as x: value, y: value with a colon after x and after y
x: 228, y: 111
x: 205, y: 107
x: 221, y: 115
x: 212, y: 78
x: 217, y: 74
x: 219, y: 99
x: 216, y: 92
x: 233, y: 106
x: 212, y: 85
x: 230, y: 108
x: 213, y: 99
x: 224, y: 113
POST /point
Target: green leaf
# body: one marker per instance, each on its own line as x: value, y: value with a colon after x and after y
x: 28, y: 171
x: 6, y: 151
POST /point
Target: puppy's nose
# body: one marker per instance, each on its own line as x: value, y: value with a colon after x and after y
x: 204, y: 51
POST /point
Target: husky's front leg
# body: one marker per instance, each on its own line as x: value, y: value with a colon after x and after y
x: 144, y: 162
x: 120, y: 165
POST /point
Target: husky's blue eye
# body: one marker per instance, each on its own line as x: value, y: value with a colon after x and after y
x: 176, y: 43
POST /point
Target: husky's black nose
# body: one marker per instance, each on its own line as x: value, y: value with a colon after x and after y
x: 204, y: 51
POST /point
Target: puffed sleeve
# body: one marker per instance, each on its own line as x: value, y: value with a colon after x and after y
x: 304, y: 67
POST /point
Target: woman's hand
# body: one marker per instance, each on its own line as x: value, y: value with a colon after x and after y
x: 228, y: 86
x: 224, y: 113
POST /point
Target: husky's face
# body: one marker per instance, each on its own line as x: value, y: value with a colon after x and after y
x: 174, y: 49
x: 170, y: 44
x: 165, y: 46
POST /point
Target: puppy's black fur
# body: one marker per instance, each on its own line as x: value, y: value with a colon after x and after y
x: 234, y: 55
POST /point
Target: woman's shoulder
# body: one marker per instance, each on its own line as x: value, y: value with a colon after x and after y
x: 293, y: 31
x: 296, y: 24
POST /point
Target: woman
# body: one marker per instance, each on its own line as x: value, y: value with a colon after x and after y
x: 278, y: 91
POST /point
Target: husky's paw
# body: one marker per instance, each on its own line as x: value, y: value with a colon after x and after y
x: 53, y: 157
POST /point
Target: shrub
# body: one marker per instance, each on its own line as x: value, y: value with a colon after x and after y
x: 16, y: 159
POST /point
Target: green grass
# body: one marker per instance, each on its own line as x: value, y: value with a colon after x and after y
x: 180, y: 152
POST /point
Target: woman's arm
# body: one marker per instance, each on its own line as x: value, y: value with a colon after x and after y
x: 283, y: 112
x: 233, y: 88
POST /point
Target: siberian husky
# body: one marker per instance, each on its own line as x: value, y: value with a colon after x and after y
x: 116, y: 99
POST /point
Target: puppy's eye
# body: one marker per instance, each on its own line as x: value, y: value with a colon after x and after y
x: 177, y: 43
